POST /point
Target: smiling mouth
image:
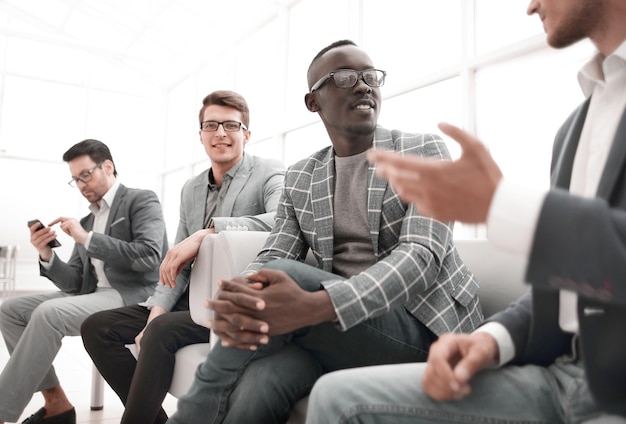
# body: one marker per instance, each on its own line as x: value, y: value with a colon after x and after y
x: 363, y: 104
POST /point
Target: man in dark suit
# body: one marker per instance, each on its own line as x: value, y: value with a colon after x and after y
x: 388, y: 280
x: 115, y: 262
x: 238, y: 192
x: 564, y: 343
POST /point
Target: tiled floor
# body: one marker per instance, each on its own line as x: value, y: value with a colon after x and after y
x: 73, y: 367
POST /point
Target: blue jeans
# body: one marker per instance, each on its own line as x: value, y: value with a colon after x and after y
x: 292, y: 363
x: 393, y: 394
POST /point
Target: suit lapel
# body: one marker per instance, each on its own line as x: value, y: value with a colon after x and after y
x: 88, y: 224
x: 198, y: 206
x: 236, y: 185
x: 562, y: 169
x: 614, y: 162
x: 377, y: 187
x: 117, y: 200
x: 323, y: 186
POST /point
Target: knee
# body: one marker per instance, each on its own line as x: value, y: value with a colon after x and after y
x: 306, y: 276
x: 158, y: 326
x: 325, y: 391
x: 93, y: 329
x: 48, y: 315
x: 5, y: 312
x: 326, y: 403
x: 7, y: 308
x: 4, y: 309
x: 282, y: 264
x: 157, y: 331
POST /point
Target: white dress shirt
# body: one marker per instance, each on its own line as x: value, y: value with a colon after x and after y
x: 101, y: 216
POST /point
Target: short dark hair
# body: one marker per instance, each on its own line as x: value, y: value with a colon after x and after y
x: 96, y: 150
x: 229, y: 99
x: 338, y: 43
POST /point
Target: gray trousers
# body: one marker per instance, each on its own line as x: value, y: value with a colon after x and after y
x: 33, y: 328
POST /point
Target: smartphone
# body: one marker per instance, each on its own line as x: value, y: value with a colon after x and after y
x: 53, y: 243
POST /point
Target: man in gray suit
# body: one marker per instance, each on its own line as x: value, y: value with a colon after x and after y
x: 115, y: 261
x: 389, y: 281
x: 558, y: 354
x: 238, y: 192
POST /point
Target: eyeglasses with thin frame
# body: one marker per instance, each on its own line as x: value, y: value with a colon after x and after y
x: 84, y: 176
x: 229, y: 126
x: 347, y: 78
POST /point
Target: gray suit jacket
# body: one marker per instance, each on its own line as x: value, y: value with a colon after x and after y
x: 418, y: 266
x: 579, y: 244
x: 250, y: 203
x: 132, y: 247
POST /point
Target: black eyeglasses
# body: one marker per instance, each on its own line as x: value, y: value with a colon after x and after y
x: 229, y: 126
x: 347, y: 78
x: 84, y: 176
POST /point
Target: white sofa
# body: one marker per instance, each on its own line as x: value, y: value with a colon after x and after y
x: 226, y: 254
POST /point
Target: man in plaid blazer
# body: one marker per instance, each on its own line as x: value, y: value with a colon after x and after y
x: 557, y: 354
x: 388, y: 281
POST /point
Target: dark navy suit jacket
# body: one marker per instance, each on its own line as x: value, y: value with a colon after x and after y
x: 579, y: 244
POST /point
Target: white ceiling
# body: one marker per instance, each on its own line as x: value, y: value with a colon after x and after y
x: 157, y: 41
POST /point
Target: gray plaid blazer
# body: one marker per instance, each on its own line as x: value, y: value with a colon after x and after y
x: 418, y: 266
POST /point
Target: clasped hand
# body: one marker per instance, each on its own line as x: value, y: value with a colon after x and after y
x: 247, y: 311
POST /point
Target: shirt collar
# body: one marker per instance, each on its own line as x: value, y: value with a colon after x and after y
x: 230, y: 174
x: 107, y: 199
x: 232, y: 171
x: 594, y: 72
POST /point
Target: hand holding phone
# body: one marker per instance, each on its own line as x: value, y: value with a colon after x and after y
x: 53, y: 243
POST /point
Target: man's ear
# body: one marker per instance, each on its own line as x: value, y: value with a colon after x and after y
x: 311, y: 103
x: 246, y: 137
x: 108, y: 166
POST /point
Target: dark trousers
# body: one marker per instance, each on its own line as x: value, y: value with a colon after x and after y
x: 143, y: 383
x: 276, y: 375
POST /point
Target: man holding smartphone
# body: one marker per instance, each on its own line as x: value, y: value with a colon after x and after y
x: 115, y: 262
x: 54, y: 243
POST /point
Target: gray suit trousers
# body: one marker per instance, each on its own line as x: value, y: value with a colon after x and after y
x: 33, y: 328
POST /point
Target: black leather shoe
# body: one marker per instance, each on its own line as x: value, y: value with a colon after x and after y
x: 37, y: 417
x: 67, y: 417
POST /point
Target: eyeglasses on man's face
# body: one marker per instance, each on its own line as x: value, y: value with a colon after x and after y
x: 229, y: 126
x: 84, y: 176
x: 347, y: 78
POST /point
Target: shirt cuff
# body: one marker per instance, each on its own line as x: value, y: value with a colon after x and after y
x: 513, y: 216
x: 503, y: 339
x: 48, y: 265
x: 88, y: 240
